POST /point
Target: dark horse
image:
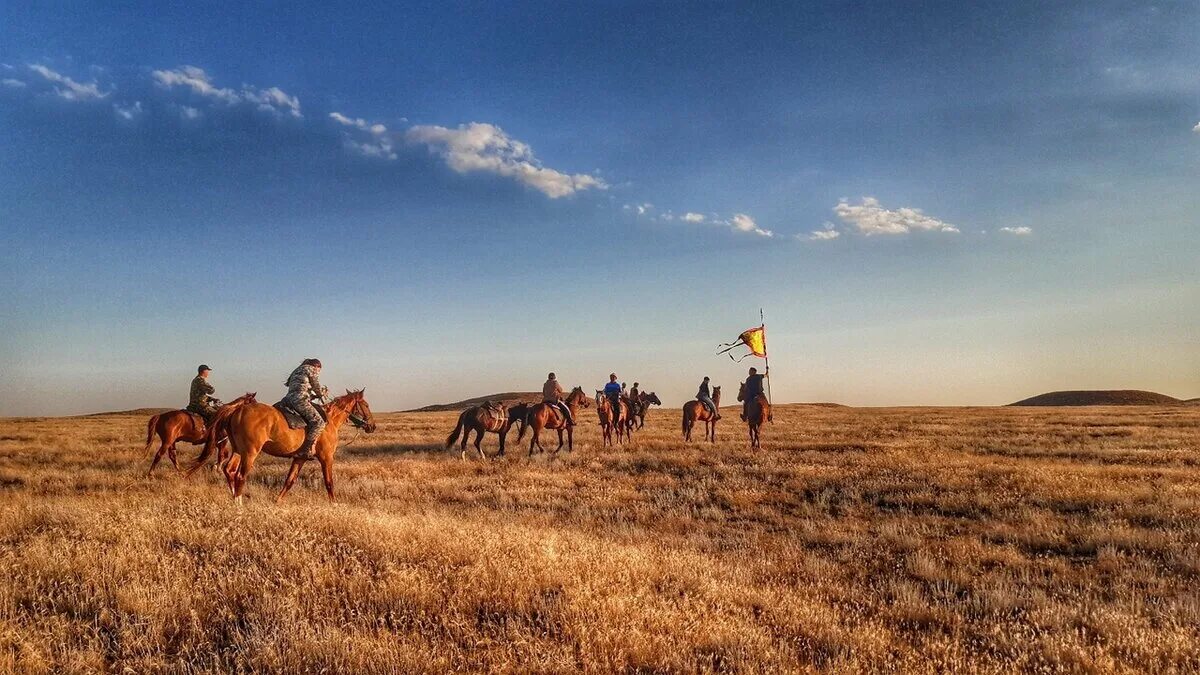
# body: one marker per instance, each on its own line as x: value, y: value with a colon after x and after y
x: 758, y: 411
x: 547, y: 416
x: 640, y: 406
x: 174, y: 426
x: 496, y: 419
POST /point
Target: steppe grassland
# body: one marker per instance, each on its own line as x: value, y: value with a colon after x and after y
x: 922, y: 539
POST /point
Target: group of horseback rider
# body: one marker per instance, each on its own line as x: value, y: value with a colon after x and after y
x: 303, y: 389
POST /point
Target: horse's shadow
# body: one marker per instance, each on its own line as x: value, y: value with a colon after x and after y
x: 393, y: 449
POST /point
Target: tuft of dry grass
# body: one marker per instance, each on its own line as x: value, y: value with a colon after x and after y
x: 930, y: 540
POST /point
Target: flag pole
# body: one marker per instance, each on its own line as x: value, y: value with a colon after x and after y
x: 766, y: 359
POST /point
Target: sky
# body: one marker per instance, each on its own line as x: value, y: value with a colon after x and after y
x: 934, y: 203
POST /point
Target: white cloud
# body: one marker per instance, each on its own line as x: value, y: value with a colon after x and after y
x: 68, y: 88
x: 189, y: 113
x: 828, y: 232
x: 1023, y: 230
x: 744, y: 223
x: 693, y: 217
x: 128, y: 111
x: 14, y: 83
x: 272, y: 99
x: 1196, y: 128
x: 377, y: 142
x: 195, y: 79
x: 871, y: 218
x: 485, y: 147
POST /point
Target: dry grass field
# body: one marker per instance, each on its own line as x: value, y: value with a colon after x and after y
x: 918, y: 540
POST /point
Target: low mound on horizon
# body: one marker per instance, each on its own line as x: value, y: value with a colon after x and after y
x: 135, y: 411
x: 1099, y: 397
x: 507, y: 398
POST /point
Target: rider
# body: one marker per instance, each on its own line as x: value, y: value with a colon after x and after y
x: 634, y: 393
x: 754, y: 387
x: 704, y: 395
x: 303, y: 386
x: 552, y: 393
x: 613, y: 391
x: 200, y: 400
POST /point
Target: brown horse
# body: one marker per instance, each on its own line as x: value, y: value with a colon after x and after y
x: 480, y: 419
x: 694, y: 411
x: 608, y: 421
x: 174, y: 426
x: 547, y: 416
x: 757, y: 412
x: 255, y: 428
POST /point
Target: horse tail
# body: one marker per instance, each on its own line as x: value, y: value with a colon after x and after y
x: 528, y: 421
x: 150, y: 431
x: 457, y: 429
x: 220, y: 423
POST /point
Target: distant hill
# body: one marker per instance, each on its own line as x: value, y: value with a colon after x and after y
x: 136, y: 411
x: 508, y: 398
x: 1099, y: 397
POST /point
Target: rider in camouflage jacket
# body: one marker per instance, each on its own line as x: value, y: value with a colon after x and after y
x: 303, y: 386
x: 200, y: 399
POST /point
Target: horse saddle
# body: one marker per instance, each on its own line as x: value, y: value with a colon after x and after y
x: 294, y: 420
x: 197, y: 419
x: 497, y: 415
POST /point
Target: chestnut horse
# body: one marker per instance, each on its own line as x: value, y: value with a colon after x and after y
x: 695, y: 411
x: 254, y: 428
x: 174, y: 426
x: 547, y: 416
x: 481, y: 419
x: 608, y: 422
x: 758, y: 412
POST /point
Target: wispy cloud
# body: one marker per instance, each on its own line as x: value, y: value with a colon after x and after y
x: 826, y: 233
x: 487, y: 148
x: 744, y: 223
x: 373, y: 141
x: 1020, y: 231
x: 187, y: 112
x: 871, y: 218
x: 128, y: 112
x: 271, y: 99
x: 693, y: 217
x: 68, y: 88
x: 13, y: 82
x: 1196, y: 128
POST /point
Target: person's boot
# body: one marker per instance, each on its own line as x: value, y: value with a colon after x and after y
x: 306, y: 448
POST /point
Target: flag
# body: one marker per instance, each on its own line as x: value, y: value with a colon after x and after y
x: 754, y: 338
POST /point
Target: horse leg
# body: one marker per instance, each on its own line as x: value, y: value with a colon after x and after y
x: 479, y: 444
x: 560, y: 441
x: 171, y: 455
x: 571, y: 439
x: 533, y: 439
x: 162, y: 449
x: 230, y: 469
x: 327, y: 474
x: 503, y: 436
x: 293, y: 472
x: 243, y: 472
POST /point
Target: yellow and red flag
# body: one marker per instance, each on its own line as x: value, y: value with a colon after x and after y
x: 754, y: 338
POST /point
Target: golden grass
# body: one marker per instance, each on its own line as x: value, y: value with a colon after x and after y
x: 926, y: 540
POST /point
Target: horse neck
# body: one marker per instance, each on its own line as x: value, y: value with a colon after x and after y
x: 338, y: 411
x: 717, y: 398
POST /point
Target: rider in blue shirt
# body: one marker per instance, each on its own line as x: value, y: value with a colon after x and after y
x: 613, y: 391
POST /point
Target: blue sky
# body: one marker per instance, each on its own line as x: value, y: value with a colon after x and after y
x: 935, y: 204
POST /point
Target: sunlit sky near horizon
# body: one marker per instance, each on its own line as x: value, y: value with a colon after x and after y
x: 939, y: 204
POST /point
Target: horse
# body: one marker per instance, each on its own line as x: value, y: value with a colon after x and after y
x: 757, y: 412
x: 643, y: 403
x: 174, y: 426
x: 254, y: 428
x: 545, y: 415
x: 695, y: 411
x: 482, y: 418
x: 608, y: 421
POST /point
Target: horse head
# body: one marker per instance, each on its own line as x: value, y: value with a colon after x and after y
x: 742, y: 392
x: 360, y: 411
x: 577, y: 397
x: 651, y: 398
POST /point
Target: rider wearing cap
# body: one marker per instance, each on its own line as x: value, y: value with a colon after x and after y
x: 613, y: 391
x: 704, y: 395
x: 200, y: 399
x: 754, y: 388
x: 552, y: 393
